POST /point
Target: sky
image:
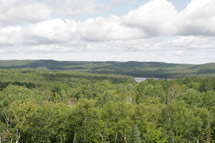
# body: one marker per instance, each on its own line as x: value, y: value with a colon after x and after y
x: 173, y: 31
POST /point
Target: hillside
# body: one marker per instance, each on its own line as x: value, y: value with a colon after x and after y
x: 131, y: 68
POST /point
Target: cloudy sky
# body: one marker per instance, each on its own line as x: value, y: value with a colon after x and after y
x: 177, y: 31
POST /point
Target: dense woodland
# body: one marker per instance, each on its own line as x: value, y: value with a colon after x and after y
x: 131, y: 68
x: 39, y: 106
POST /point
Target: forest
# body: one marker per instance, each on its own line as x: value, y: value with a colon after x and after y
x: 130, y: 68
x: 44, y: 106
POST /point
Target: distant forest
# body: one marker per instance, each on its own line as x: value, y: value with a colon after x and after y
x: 136, y: 69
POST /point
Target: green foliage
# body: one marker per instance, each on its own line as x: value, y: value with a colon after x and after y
x: 75, y: 107
x: 146, y: 91
x: 192, y: 97
x: 85, y: 122
x: 206, y: 85
x: 147, y: 117
x: 14, y: 93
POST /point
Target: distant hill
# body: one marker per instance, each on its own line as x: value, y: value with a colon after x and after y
x: 131, y: 68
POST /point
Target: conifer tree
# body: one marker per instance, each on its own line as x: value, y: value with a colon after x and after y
x: 135, y: 135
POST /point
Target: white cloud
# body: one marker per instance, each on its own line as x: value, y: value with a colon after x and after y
x: 51, y: 31
x: 198, y: 18
x: 159, y: 17
x: 154, y: 18
x: 57, y: 31
x: 105, y: 29
x: 10, y: 36
x: 22, y: 11
x: 82, y: 7
x: 73, y: 7
x: 153, y: 32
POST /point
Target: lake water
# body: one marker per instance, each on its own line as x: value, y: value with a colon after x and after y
x: 140, y: 79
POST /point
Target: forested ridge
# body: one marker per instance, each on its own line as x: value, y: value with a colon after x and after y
x: 42, y: 106
x: 131, y: 68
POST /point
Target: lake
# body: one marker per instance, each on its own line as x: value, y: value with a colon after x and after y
x: 140, y: 79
